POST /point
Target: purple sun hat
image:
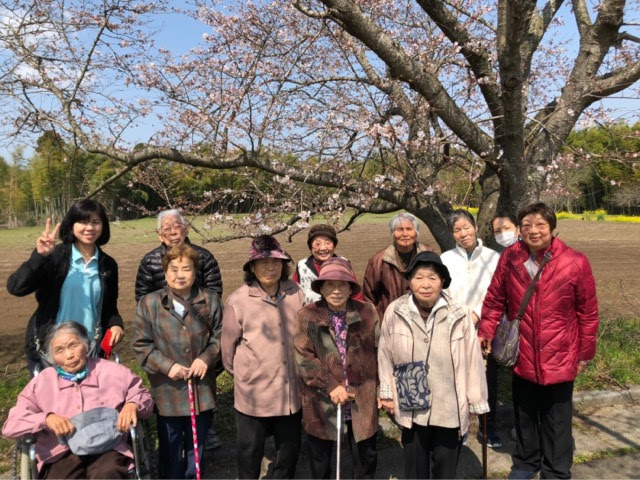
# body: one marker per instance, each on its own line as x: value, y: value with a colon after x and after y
x: 265, y: 246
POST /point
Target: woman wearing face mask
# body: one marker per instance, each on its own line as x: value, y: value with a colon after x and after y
x: 557, y: 339
x: 471, y: 265
x: 505, y: 229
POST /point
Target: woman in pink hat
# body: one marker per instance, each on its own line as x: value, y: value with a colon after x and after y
x: 258, y: 326
x: 337, y: 362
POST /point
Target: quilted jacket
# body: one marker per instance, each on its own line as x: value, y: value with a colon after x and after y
x: 560, y: 324
x: 150, y: 275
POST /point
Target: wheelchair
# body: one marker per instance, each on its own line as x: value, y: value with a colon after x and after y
x: 24, y: 464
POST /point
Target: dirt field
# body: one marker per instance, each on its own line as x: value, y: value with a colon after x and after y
x: 611, y: 247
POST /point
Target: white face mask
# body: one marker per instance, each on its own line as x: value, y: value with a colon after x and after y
x: 506, y: 239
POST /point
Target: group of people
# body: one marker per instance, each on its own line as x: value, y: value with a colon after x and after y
x: 410, y: 341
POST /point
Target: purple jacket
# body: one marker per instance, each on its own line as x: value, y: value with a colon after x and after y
x: 107, y: 385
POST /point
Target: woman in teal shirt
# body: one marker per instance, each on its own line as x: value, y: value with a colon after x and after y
x: 74, y: 280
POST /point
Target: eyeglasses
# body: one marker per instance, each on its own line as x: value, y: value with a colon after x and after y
x: 170, y: 228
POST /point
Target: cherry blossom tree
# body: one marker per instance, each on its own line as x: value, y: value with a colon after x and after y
x: 371, y: 103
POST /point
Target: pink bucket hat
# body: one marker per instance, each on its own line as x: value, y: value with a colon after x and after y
x: 265, y: 246
x: 337, y: 268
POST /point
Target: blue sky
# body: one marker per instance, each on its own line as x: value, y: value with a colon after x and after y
x: 179, y: 33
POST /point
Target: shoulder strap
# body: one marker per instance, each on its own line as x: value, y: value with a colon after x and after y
x: 529, y: 292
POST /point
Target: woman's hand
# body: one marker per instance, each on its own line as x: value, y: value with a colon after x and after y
x: 339, y: 395
x: 59, y: 425
x: 386, y: 405
x: 485, y: 345
x: 198, y: 369
x: 582, y: 364
x: 117, y: 333
x: 128, y: 416
x: 178, y: 372
x: 46, y: 242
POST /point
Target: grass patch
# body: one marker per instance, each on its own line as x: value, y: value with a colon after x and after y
x: 617, y: 360
x: 618, y: 452
x: 10, y: 387
x: 616, y: 364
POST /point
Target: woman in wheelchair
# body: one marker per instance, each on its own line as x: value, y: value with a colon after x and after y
x: 80, y: 409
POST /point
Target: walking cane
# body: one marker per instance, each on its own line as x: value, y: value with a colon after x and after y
x: 194, y: 430
x: 339, y: 441
x: 485, y: 437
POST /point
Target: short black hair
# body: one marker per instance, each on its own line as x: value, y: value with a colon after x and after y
x: 508, y: 215
x: 250, y: 277
x: 544, y: 210
x: 457, y: 215
x: 81, y: 212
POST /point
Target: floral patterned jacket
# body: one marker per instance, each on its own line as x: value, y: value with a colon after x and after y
x: 321, y: 369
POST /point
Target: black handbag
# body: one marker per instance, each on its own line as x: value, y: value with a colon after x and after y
x: 505, y: 346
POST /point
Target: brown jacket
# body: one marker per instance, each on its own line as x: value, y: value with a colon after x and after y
x: 384, y: 280
x: 257, y: 349
x: 320, y: 367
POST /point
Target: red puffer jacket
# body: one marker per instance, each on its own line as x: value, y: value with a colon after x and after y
x: 560, y: 323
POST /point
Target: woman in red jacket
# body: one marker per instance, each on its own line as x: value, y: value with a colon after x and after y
x: 557, y: 339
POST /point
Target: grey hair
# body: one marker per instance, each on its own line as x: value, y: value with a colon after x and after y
x: 174, y: 212
x: 403, y: 217
x: 67, y: 327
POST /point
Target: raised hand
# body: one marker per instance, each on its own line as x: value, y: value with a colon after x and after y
x: 47, y: 240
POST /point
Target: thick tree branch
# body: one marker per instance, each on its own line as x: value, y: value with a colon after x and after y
x: 405, y: 68
x: 478, y: 57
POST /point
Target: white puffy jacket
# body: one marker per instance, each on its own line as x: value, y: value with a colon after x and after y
x: 470, y: 278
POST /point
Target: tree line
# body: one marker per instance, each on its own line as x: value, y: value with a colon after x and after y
x: 599, y: 168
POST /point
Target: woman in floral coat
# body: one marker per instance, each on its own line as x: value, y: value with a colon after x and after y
x: 336, y: 358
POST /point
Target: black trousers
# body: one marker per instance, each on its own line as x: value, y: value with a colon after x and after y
x: 431, y: 452
x: 252, y: 433
x: 543, y: 415
x: 364, y: 455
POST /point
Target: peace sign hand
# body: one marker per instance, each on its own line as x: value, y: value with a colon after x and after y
x: 47, y: 240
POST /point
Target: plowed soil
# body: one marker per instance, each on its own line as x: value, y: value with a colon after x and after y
x: 613, y: 250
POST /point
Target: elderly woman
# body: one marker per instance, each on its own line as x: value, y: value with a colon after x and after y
x: 48, y: 406
x: 321, y: 240
x: 336, y: 356
x: 176, y: 339
x: 384, y: 278
x: 259, y: 325
x: 172, y: 230
x: 471, y: 265
x: 73, y: 280
x: 431, y: 371
x: 557, y: 339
